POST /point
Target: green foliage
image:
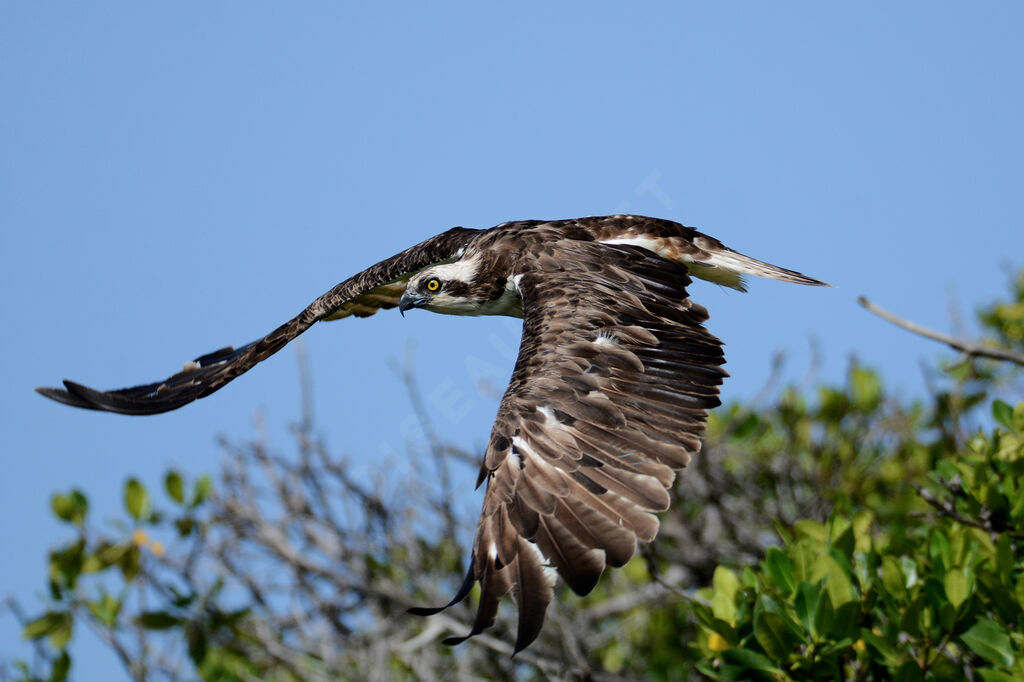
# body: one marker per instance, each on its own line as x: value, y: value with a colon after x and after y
x: 1005, y: 319
x: 136, y: 499
x: 844, y: 599
x: 106, y: 561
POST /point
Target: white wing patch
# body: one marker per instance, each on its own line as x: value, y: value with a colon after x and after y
x: 723, y: 268
x: 550, y: 572
x: 648, y: 243
x: 549, y: 416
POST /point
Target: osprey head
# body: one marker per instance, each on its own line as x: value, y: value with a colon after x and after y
x: 448, y: 288
x: 462, y: 288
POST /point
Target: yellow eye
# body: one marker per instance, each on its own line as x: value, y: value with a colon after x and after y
x: 433, y: 284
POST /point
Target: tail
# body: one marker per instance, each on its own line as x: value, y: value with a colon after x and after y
x: 719, y: 264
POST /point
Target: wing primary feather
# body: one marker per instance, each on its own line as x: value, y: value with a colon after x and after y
x: 533, y: 593
x: 463, y: 592
x: 213, y: 370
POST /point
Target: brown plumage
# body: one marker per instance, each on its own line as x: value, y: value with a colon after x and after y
x: 608, y: 398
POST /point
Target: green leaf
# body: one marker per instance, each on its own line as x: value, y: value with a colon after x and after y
x: 61, y: 667
x: 72, y: 507
x: 174, y: 486
x: 845, y: 620
x: 203, y: 486
x: 892, y: 577
x: 1003, y: 414
x: 823, y: 615
x: 909, y: 568
x: 947, y: 615
x: 807, y: 529
x: 747, y: 426
x: 773, y: 635
x: 912, y: 616
x: 865, y: 388
x: 939, y: 550
x: 185, y: 526
x: 958, y: 588
x: 752, y: 661
x: 111, y: 554
x: 780, y: 568
x: 723, y: 604
x: 44, y: 625
x: 841, y: 536
x: 861, y: 526
x: 61, y: 635
x: 721, y: 672
x: 62, y: 507
x: 136, y: 499
x: 806, y: 604
x: 66, y: 563
x: 803, y: 557
x: 703, y: 614
x: 105, y: 609
x: 839, y: 587
x: 991, y: 675
x: 908, y: 672
x: 196, y: 642
x: 158, y: 620
x: 990, y: 641
x: 130, y: 562
x: 886, y: 651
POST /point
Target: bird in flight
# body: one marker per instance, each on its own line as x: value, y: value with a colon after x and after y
x: 608, y: 397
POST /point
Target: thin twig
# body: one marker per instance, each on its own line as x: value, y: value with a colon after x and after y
x: 946, y: 509
x: 969, y: 347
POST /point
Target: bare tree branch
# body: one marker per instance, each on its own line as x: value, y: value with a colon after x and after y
x: 969, y: 347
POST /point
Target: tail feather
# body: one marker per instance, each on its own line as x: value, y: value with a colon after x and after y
x: 727, y: 267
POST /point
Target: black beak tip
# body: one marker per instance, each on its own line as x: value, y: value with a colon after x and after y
x: 408, y: 301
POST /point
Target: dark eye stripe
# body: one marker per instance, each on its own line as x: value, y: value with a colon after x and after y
x: 456, y: 288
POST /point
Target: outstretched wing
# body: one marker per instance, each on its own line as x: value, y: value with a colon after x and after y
x: 608, y: 399
x: 362, y: 295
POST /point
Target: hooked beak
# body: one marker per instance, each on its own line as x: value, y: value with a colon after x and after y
x: 410, y: 299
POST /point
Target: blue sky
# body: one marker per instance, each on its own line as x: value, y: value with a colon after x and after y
x: 177, y: 178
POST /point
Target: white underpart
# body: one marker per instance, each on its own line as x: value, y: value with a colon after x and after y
x: 604, y: 339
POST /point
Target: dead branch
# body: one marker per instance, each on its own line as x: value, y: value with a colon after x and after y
x: 971, y: 348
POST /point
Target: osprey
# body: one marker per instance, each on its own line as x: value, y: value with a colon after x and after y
x: 608, y: 397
